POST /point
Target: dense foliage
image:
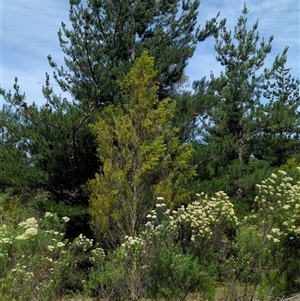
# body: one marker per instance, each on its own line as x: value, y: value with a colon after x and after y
x: 249, y: 114
x: 141, y: 156
x: 179, y: 252
x: 107, y: 36
x: 136, y: 188
x: 100, y: 47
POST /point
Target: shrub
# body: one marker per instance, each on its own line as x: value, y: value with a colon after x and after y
x: 266, y: 250
x: 36, y: 262
x: 153, y: 264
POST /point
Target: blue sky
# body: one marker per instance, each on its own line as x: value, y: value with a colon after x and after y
x: 29, y: 33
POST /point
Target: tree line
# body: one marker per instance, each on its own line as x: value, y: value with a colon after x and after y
x: 130, y: 132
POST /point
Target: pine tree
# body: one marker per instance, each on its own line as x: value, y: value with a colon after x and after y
x: 280, y: 140
x: 236, y: 124
x: 17, y: 169
x: 54, y: 140
x: 107, y: 35
x: 101, y: 46
x: 141, y: 155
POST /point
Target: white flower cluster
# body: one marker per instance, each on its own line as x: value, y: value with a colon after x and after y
x: 48, y: 214
x: 57, y: 245
x: 160, y: 218
x: 31, y: 226
x: 65, y: 219
x: 54, y: 232
x: 131, y: 247
x: 206, y: 214
x: 97, y: 254
x: 278, y: 201
x: 4, y: 239
x: 29, y: 223
x: 130, y: 240
x: 83, y: 242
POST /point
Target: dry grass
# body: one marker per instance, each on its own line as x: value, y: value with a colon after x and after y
x: 295, y: 297
x: 221, y: 294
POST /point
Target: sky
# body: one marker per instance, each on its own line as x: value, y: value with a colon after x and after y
x: 28, y: 34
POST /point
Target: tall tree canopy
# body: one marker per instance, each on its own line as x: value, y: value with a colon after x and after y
x: 100, y: 47
x: 17, y: 168
x: 249, y: 112
x: 52, y: 140
x: 107, y: 35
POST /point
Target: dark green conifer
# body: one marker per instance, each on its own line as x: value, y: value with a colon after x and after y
x: 248, y: 113
x: 108, y: 35
x: 104, y: 40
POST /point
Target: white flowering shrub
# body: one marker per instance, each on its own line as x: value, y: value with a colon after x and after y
x: 160, y: 221
x: 151, y: 264
x: 131, y: 248
x: 36, y: 262
x: 178, y: 252
x: 278, y: 208
x: 207, y: 218
x: 173, y: 272
x: 120, y: 274
x: 266, y: 249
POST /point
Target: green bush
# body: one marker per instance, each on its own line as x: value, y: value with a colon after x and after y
x: 178, y: 253
x: 152, y: 265
x: 265, y: 253
x: 37, y: 263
